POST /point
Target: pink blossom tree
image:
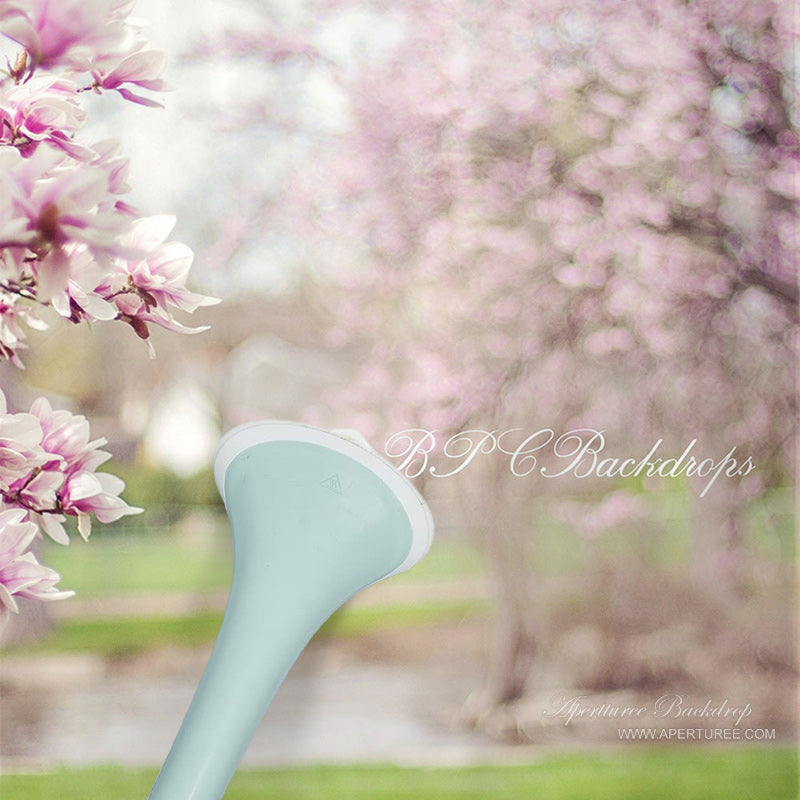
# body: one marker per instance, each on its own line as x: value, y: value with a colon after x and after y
x: 70, y: 246
x: 578, y: 215
x: 570, y: 215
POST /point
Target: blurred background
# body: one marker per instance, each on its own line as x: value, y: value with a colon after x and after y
x: 451, y: 216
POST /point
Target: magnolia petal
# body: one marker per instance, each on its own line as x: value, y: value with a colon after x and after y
x: 52, y: 525
x: 94, y: 459
x: 7, y: 601
x: 171, y: 261
x: 111, y: 483
x: 14, y: 462
x: 171, y: 324
x: 53, y: 275
x: 15, y: 538
x: 35, y: 323
x: 113, y: 510
x: 156, y: 85
x: 21, y: 428
x: 83, y: 485
x: 191, y: 301
x: 84, y: 526
x: 129, y: 304
x: 19, y: 29
x: 144, y: 65
x: 55, y: 594
x: 137, y: 98
x: 149, y: 232
x: 11, y: 516
x: 97, y: 308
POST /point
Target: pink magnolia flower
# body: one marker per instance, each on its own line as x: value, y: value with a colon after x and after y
x: 12, y: 336
x: 67, y: 240
x: 66, y: 437
x: 21, y: 574
x: 43, y: 109
x: 75, y: 456
x: 20, y: 444
x: 146, y: 290
x: 66, y: 31
x: 60, y: 198
x: 61, y: 202
x: 37, y: 495
x: 14, y: 222
x: 107, y: 155
x: 142, y: 69
x: 87, y: 493
x: 47, y: 469
x: 78, y: 302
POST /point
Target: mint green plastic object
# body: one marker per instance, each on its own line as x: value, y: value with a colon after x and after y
x: 315, y: 518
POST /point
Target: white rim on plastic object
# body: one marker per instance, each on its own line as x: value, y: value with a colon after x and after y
x: 347, y: 442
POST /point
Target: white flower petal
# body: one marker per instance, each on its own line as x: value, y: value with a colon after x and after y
x: 84, y: 525
x: 83, y: 485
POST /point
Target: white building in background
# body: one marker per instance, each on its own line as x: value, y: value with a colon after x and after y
x: 182, y: 430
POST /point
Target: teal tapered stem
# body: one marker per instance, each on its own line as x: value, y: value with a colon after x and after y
x: 311, y: 526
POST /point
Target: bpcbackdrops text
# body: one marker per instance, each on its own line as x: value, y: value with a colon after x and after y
x: 578, y: 453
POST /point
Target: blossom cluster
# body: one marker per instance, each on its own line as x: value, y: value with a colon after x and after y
x: 47, y: 473
x: 68, y: 239
x: 70, y: 244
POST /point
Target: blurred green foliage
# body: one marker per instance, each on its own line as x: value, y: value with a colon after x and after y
x: 663, y: 538
x: 115, y: 638
x: 165, y: 497
x: 197, y: 558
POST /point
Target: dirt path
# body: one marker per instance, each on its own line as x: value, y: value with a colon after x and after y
x: 389, y: 699
x: 385, y: 697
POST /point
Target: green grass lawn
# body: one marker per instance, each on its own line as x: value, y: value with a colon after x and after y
x: 634, y: 774
x: 196, y: 558
x: 165, y: 561
x: 188, y: 557
x: 155, y: 562
x: 119, y: 638
x: 169, y: 562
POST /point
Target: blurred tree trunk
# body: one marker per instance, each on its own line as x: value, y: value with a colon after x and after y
x: 717, y: 539
x: 501, y: 514
x: 516, y: 639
